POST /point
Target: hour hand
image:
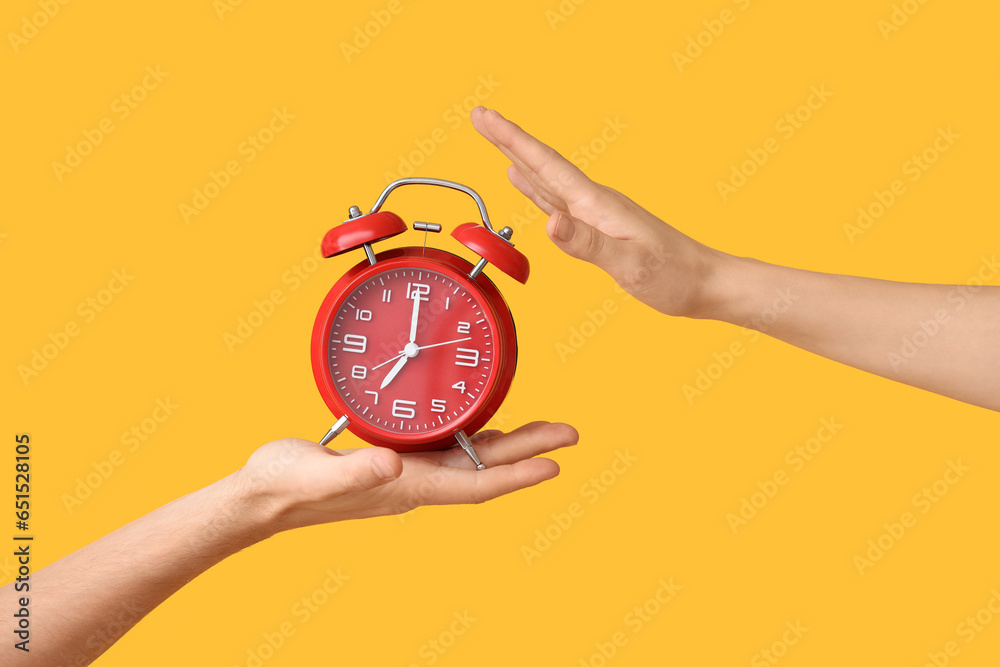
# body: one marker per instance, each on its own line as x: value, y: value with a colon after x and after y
x: 393, y: 371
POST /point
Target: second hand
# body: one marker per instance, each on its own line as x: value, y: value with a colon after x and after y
x: 447, y: 342
x: 422, y: 347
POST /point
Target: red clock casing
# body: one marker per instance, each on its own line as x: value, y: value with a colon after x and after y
x: 465, y: 333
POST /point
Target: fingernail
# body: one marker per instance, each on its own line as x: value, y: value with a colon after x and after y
x: 481, y: 108
x: 564, y: 229
x: 496, y: 113
x: 380, y: 468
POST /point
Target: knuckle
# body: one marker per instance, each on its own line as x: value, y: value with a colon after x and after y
x: 406, y: 503
x: 590, y: 196
x: 592, y: 245
x: 479, y: 495
x: 636, y: 274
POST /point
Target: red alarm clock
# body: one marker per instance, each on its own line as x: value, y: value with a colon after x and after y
x: 415, y: 347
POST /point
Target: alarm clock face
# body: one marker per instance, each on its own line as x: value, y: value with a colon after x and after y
x: 413, y: 350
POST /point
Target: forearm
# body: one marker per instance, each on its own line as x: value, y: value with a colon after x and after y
x: 83, y: 603
x: 942, y: 338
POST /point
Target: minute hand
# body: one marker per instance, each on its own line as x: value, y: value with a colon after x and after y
x: 413, y: 318
x: 448, y: 342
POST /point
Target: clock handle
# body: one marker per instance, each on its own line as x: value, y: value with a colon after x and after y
x: 491, y: 245
x: 435, y: 181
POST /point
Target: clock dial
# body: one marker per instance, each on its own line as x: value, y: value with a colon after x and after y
x: 411, y: 350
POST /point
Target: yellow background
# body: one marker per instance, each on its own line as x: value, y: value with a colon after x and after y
x: 663, y: 518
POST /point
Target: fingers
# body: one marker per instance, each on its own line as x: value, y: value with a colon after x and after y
x: 471, y: 486
x: 523, y: 443
x: 506, y: 479
x: 365, y: 468
x: 478, y: 116
x: 518, y: 180
x: 533, y: 155
x: 482, y: 435
x: 553, y: 177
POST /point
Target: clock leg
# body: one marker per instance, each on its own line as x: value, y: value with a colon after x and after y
x: 463, y: 442
x: 334, y: 431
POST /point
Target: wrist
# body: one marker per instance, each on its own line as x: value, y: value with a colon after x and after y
x: 740, y: 289
x: 722, y: 281
x: 244, y: 514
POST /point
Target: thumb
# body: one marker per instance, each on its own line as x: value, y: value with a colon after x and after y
x: 578, y: 239
x: 367, y: 468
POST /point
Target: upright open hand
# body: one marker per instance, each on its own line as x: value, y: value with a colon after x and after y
x: 650, y: 259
